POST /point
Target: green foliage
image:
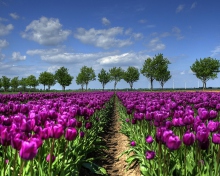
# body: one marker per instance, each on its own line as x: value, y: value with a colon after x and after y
x: 104, y: 78
x: 32, y: 81
x: 131, y: 75
x: 47, y: 78
x: 63, y: 77
x: 162, y: 74
x: 148, y: 70
x: 5, y: 83
x: 23, y: 83
x: 15, y: 83
x: 0, y: 83
x: 206, y: 69
x: 156, y: 69
x: 86, y: 75
x: 116, y: 74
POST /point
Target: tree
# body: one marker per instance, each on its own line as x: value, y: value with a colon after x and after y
x: 47, y: 78
x: 104, y: 78
x: 0, y: 83
x: 162, y: 74
x: 15, y: 83
x: 80, y: 81
x: 205, y: 69
x: 131, y: 75
x: 116, y: 74
x: 87, y: 74
x: 148, y: 71
x: 23, y: 83
x: 5, y: 83
x: 32, y: 81
x: 63, y: 77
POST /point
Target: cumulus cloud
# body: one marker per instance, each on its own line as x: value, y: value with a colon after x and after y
x: 3, y: 19
x: 193, y: 5
x: 14, y: 16
x: 182, y: 73
x: 105, y: 21
x: 53, y: 68
x: 2, y: 56
x: 180, y: 8
x: 177, y: 32
x: 105, y: 38
x: 5, y: 29
x: 61, y: 56
x: 155, y: 45
x: 46, y: 31
x: 216, y: 51
x: 125, y: 59
x: 16, y: 56
x: 3, y: 44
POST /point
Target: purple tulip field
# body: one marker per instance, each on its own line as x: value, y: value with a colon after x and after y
x: 174, y: 133
x: 51, y: 134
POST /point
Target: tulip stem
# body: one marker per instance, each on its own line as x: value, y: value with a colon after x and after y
x: 51, y: 154
x: 16, y: 154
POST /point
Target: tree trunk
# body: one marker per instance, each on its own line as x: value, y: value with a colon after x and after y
x: 151, y: 84
x: 203, y: 84
x: 86, y: 86
x: 44, y: 87
x: 63, y: 88
x: 115, y: 85
x: 103, y: 87
x: 48, y: 87
x: 131, y: 85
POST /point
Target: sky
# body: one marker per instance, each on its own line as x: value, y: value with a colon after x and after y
x: 44, y: 35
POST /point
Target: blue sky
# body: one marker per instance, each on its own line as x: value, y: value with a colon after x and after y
x: 44, y: 35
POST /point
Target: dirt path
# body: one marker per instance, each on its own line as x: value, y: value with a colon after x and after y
x: 116, y: 143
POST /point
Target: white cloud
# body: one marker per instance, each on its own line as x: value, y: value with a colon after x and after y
x: 125, y: 59
x: 180, y: 8
x: 216, y: 51
x: 3, y: 44
x: 177, y: 32
x: 14, y: 16
x: 105, y: 38
x: 3, y: 19
x: 46, y: 31
x: 2, y: 56
x: 4, y: 30
x: 165, y: 34
x: 155, y: 45
x: 105, y: 21
x: 53, y: 68
x: 151, y: 26
x: 137, y: 36
x: 193, y: 5
x: 61, y: 56
x: 17, y: 56
x: 182, y: 73
x: 142, y: 21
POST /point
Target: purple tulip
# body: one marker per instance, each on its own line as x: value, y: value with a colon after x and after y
x: 16, y: 141
x: 70, y: 134
x: 58, y: 131
x: 133, y: 143
x: 213, y: 126
x: 188, y: 138
x: 202, y: 135
x: 88, y: 125
x: 79, y: 124
x: 173, y: 142
x: 213, y: 114
x: 28, y: 150
x: 81, y: 134
x: 52, y: 158
x: 149, y: 139
x: 150, y: 155
x: 216, y: 138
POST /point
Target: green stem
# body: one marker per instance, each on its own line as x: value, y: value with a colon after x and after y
x: 217, y: 160
x: 15, y: 160
x: 51, y: 154
x: 22, y: 166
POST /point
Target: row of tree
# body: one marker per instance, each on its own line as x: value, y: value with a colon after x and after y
x: 155, y: 68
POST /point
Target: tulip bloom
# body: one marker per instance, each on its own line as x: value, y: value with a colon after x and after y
x: 149, y: 139
x: 133, y: 143
x: 70, y: 134
x: 150, y: 155
x: 188, y: 138
x: 216, y: 138
x: 28, y: 150
x: 52, y: 158
x: 173, y: 142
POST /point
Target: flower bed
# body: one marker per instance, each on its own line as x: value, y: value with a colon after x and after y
x: 172, y: 133
x: 51, y: 134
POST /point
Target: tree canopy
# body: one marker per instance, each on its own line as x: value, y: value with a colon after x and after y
x: 23, y: 83
x: 205, y: 69
x: 47, y: 78
x: 104, y: 78
x: 116, y: 74
x: 15, y: 83
x: 63, y: 77
x: 131, y: 75
x: 5, y: 83
x: 32, y: 81
x: 87, y: 74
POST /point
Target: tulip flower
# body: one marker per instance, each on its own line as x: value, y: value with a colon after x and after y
x: 52, y: 158
x: 216, y: 138
x: 173, y: 142
x: 188, y: 138
x: 133, y: 143
x: 70, y: 134
x: 150, y: 155
x: 28, y: 150
x: 149, y: 139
